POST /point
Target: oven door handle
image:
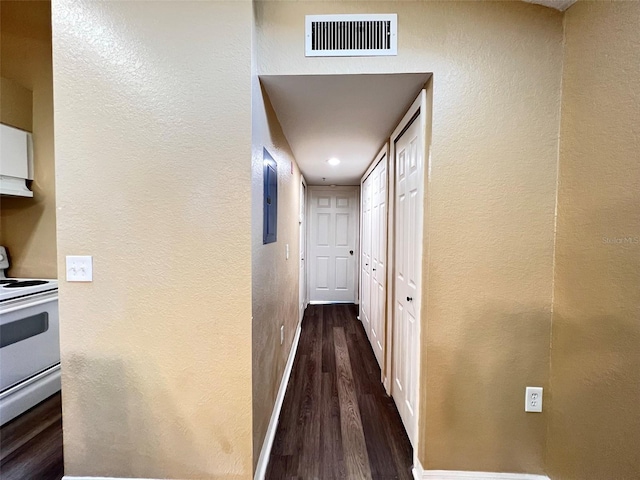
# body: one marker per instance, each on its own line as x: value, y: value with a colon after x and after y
x: 33, y: 304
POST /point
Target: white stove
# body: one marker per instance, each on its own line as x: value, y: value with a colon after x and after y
x: 23, y: 287
x: 29, y: 341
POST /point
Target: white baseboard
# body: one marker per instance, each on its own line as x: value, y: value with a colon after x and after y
x: 67, y: 477
x: 386, y: 383
x: 331, y: 302
x: 459, y: 475
x: 263, y: 461
x: 420, y: 474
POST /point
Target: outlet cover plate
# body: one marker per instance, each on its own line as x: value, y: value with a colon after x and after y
x: 533, y: 400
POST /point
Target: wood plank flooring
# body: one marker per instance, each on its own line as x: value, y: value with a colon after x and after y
x: 337, y: 422
x: 31, y: 444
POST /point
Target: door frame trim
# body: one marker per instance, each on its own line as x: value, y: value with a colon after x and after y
x: 378, y: 158
x: 419, y: 106
x: 303, y: 216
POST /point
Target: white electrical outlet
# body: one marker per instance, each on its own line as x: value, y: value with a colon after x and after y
x: 281, y: 334
x: 533, y: 399
x: 79, y: 268
x: 287, y: 251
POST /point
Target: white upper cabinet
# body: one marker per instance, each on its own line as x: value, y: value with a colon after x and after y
x: 16, y: 161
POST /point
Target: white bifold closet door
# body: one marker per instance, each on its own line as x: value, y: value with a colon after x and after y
x: 409, y: 152
x: 365, y: 261
x: 374, y: 255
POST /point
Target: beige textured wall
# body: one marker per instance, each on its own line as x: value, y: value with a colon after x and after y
x: 28, y: 225
x: 274, y: 278
x: 496, y: 92
x: 594, y: 429
x: 16, y: 104
x: 153, y: 130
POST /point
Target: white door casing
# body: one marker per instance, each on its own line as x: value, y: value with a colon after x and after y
x: 302, y: 277
x: 408, y: 154
x: 333, y: 245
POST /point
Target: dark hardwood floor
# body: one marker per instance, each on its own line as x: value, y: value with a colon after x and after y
x: 337, y: 422
x: 31, y: 445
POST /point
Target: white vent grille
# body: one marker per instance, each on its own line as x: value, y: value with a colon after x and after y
x: 351, y: 35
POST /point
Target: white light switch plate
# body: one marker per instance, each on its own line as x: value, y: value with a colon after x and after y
x: 79, y: 268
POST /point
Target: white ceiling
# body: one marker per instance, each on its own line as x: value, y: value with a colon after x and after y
x: 561, y: 5
x: 344, y: 116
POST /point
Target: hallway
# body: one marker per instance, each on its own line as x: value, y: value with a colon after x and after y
x: 337, y: 421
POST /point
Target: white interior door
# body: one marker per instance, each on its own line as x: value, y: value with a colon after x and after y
x: 373, y: 270
x: 302, y: 278
x: 409, y: 166
x: 365, y: 263
x: 333, y: 244
x: 378, y: 258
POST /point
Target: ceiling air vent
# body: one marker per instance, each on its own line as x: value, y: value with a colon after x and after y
x: 351, y: 35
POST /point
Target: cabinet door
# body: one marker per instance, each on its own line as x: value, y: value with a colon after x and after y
x: 14, y: 152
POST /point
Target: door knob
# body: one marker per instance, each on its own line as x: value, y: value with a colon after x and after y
x: 374, y: 269
x: 350, y: 252
x: 409, y: 299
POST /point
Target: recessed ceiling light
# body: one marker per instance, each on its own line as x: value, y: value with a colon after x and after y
x: 333, y: 161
